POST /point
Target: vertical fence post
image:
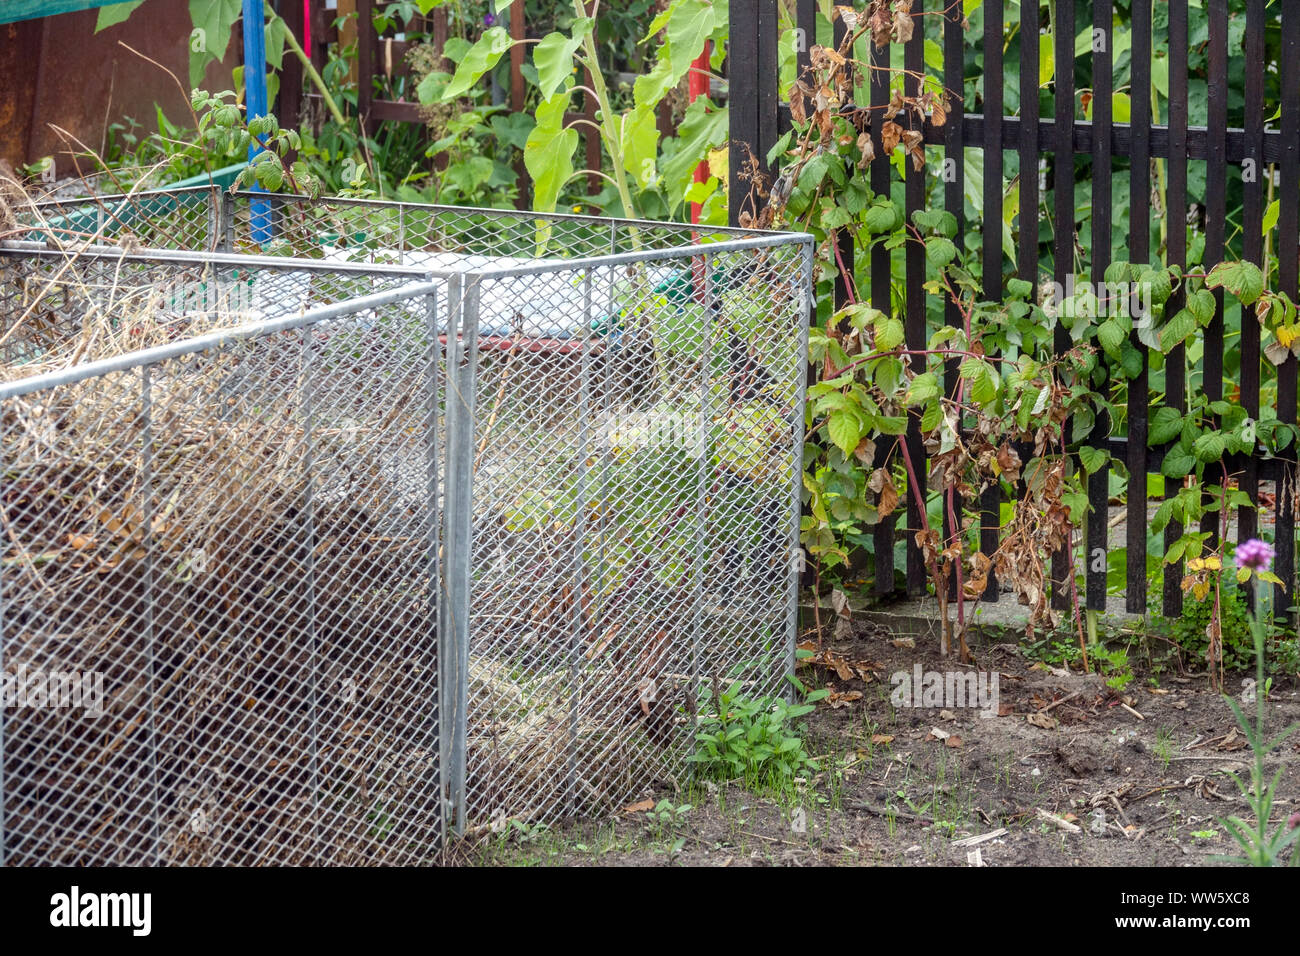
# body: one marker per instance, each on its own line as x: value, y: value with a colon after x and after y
x: 1252, y: 246
x: 1216, y: 208
x: 1097, y: 554
x: 462, y: 359
x: 308, y: 412
x: 1288, y: 250
x: 991, y: 498
x: 226, y: 223
x: 882, y: 536
x: 1135, y: 543
x: 577, y: 634
x: 1063, y: 237
x: 702, y: 472
x: 432, y: 560
x: 1176, y: 254
x: 914, y: 306
x: 255, y: 101
x: 808, y: 315
x: 954, y: 201
x: 366, y: 44
x: 150, y: 597
x: 752, y: 95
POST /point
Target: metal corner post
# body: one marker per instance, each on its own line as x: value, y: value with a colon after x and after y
x: 462, y: 361
x: 808, y: 317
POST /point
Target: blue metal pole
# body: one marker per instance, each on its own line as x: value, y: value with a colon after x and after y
x: 255, y: 101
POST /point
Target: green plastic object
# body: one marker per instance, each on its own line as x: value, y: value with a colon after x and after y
x: 11, y: 11
x: 679, y: 288
x: 117, y: 212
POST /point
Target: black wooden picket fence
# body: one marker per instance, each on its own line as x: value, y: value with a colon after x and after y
x: 759, y: 117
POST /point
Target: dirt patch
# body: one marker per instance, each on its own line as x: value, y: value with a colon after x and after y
x: 1067, y: 769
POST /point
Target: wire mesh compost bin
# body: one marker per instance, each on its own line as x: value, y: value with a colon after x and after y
x: 463, y: 519
x: 218, y: 598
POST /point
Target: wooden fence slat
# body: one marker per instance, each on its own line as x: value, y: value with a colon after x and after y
x: 954, y: 196
x: 1252, y: 221
x: 1099, y: 481
x: 1288, y: 251
x: 1216, y: 203
x: 1135, y: 539
x: 1176, y: 254
x: 881, y: 296
x: 991, y: 498
x: 1063, y: 238
x: 914, y: 314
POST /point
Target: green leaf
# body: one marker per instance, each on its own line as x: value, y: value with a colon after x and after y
x: 1166, y: 425
x: 553, y: 56
x: 689, y: 25
x: 927, y: 220
x: 480, y: 58
x: 1046, y: 60
x: 651, y: 87
x: 1121, y: 107
x: 639, y: 139
x: 889, y: 334
x: 984, y: 384
x: 115, y: 13
x: 931, y: 417
x: 1177, y: 463
x: 1176, y: 330
x: 924, y: 388
x: 845, y: 430
x: 1020, y: 288
x: 1271, y: 215
x: 881, y: 217
x: 1243, y: 279
x: 1201, y: 305
x: 892, y: 424
x: 1209, y: 447
x: 703, y: 128
x: 1092, y: 458
x: 1159, y: 284
x: 940, y: 251
x: 1111, y: 336
x: 214, y: 24
x: 548, y: 154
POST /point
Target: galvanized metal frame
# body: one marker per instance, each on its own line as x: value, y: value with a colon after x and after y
x: 452, y: 322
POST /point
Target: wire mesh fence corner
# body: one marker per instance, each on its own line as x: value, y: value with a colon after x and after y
x: 432, y: 521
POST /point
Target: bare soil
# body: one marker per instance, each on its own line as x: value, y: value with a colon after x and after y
x: 1068, y: 769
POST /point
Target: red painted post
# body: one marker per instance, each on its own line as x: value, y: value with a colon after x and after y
x: 698, y: 84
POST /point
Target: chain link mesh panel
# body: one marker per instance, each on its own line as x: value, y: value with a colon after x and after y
x: 361, y: 230
x: 187, y: 219
x: 225, y: 559
x: 636, y: 449
x: 622, y: 449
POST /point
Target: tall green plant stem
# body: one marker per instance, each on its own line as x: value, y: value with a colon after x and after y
x: 609, y: 131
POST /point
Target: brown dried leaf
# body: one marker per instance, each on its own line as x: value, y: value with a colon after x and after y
x: 1008, y: 460
x: 868, y: 148
x: 881, y: 483
x: 838, y: 700
x: 890, y: 135
x: 641, y: 806
x: 840, y: 603
x: 902, y: 27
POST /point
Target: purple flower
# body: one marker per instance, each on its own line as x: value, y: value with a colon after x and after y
x: 489, y: 19
x: 1254, y: 555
